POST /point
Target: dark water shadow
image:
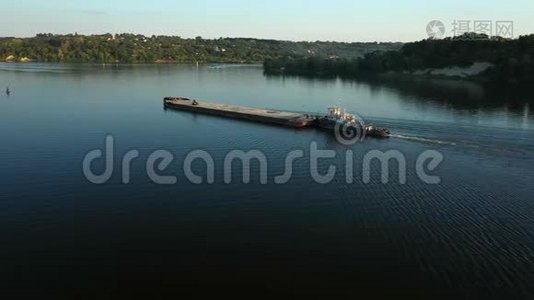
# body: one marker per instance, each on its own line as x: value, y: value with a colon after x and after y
x: 453, y: 93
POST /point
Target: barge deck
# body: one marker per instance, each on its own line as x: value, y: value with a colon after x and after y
x: 282, y: 118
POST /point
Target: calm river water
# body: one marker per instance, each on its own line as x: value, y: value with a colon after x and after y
x: 470, y: 235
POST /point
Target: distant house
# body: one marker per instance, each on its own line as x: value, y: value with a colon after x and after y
x: 23, y: 59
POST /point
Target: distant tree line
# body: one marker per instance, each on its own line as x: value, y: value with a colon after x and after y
x: 512, y: 59
x: 132, y: 48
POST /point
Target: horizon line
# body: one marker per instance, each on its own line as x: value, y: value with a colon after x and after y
x: 208, y: 38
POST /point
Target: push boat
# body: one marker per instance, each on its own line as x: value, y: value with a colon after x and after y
x: 338, y: 119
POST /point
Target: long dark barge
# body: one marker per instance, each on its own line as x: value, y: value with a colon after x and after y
x: 289, y: 119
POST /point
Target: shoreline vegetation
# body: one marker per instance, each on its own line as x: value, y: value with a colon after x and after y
x: 133, y: 48
x: 470, y: 56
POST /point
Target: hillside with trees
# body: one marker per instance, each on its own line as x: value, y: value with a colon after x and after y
x: 131, y: 48
x: 512, y: 60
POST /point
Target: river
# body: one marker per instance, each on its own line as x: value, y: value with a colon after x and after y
x: 471, y: 234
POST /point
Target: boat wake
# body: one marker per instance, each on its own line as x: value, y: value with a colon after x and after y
x: 423, y: 139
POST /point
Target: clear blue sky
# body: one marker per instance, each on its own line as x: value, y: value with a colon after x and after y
x: 340, y: 20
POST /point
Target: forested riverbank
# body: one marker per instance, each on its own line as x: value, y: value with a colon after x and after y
x: 507, y: 60
x: 132, y: 48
